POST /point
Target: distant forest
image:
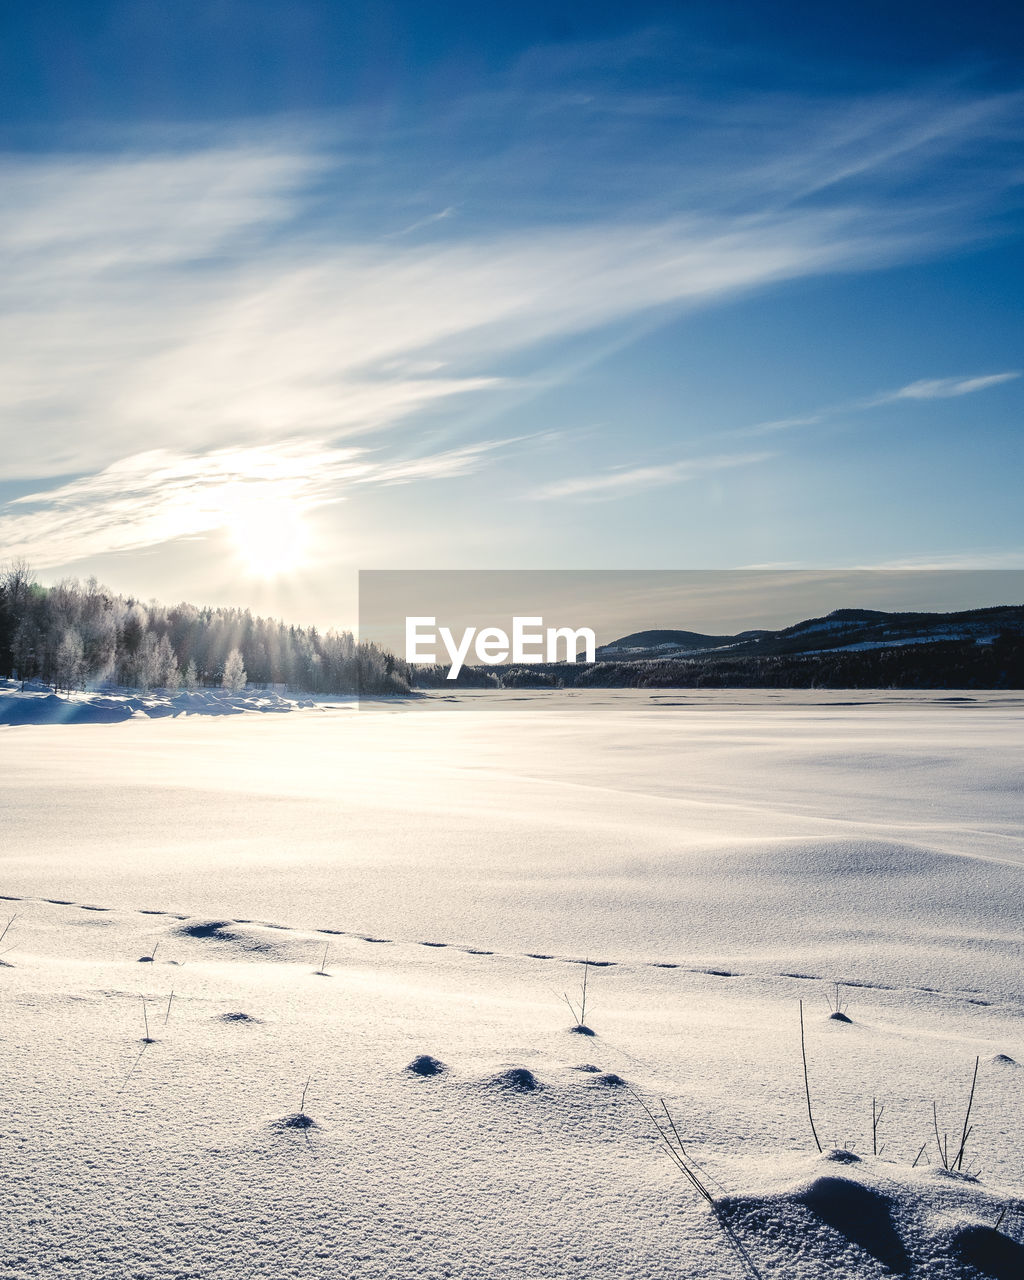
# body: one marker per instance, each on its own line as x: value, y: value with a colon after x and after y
x: 75, y: 634
x: 944, y: 664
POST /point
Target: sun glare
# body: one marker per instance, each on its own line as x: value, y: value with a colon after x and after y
x: 268, y: 531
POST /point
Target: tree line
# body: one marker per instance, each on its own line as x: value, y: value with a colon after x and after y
x: 75, y: 635
x: 950, y: 664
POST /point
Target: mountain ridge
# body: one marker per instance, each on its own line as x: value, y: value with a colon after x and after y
x: 842, y: 629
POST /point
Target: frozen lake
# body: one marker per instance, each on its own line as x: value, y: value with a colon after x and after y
x: 874, y: 835
x: 733, y: 854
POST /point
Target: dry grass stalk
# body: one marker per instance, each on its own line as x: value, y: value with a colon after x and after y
x: 807, y: 1083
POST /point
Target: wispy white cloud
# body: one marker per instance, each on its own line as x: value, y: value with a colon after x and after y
x: 785, y: 424
x: 923, y: 389
x: 223, y: 294
x: 69, y: 218
x: 161, y: 495
x: 890, y: 136
x: 420, y: 223
x: 161, y: 332
x: 945, y: 388
x: 621, y: 482
x: 983, y: 559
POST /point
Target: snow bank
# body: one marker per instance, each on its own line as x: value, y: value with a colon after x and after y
x: 867, y: 1216
x: 43, y: 706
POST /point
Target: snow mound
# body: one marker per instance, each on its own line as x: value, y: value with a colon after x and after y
x: 297, y: 1120
x: 848, y: 859
x: 859, y: 1213
x: 518, y: 1079
x: 224, y: 931
x: 987, y: 1250
x: 426, y: 1065
x: 48, y: 708
x: 872, y: 1218
x: 208, y: 929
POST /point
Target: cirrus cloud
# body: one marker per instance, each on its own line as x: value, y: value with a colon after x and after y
x: 162, y: 495
x: 174, y: 319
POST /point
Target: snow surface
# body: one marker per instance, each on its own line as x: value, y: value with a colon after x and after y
x: 717, y: 856
x: 39, y: 704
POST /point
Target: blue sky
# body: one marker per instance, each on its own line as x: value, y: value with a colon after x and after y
x: 296, y: 289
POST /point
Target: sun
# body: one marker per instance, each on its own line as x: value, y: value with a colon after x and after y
x: 268, y: 530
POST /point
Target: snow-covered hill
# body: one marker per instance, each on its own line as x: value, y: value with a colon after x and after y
x: 843, y: 630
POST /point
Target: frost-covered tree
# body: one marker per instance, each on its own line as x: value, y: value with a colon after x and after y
x: 149, y: 645
x: 68, y: 666
x: 234, y: 672
x: 147, y: 663
x: 98, y: 618
x: 170, y: 676
x: 131, y: 633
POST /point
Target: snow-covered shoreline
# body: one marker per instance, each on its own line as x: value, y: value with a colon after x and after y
x: 40, y: 704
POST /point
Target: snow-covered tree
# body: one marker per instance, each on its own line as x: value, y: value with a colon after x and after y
x: 234, y: 672
x: 68, y: 667
x: 149, y: 645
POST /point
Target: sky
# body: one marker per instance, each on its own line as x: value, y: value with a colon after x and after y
x: 294, y: 289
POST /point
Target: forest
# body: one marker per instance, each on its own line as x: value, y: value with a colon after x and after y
x: 952, y: 664
x: 75, y: 635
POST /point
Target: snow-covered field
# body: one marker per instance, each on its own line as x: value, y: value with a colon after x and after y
x: 718, y: 857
